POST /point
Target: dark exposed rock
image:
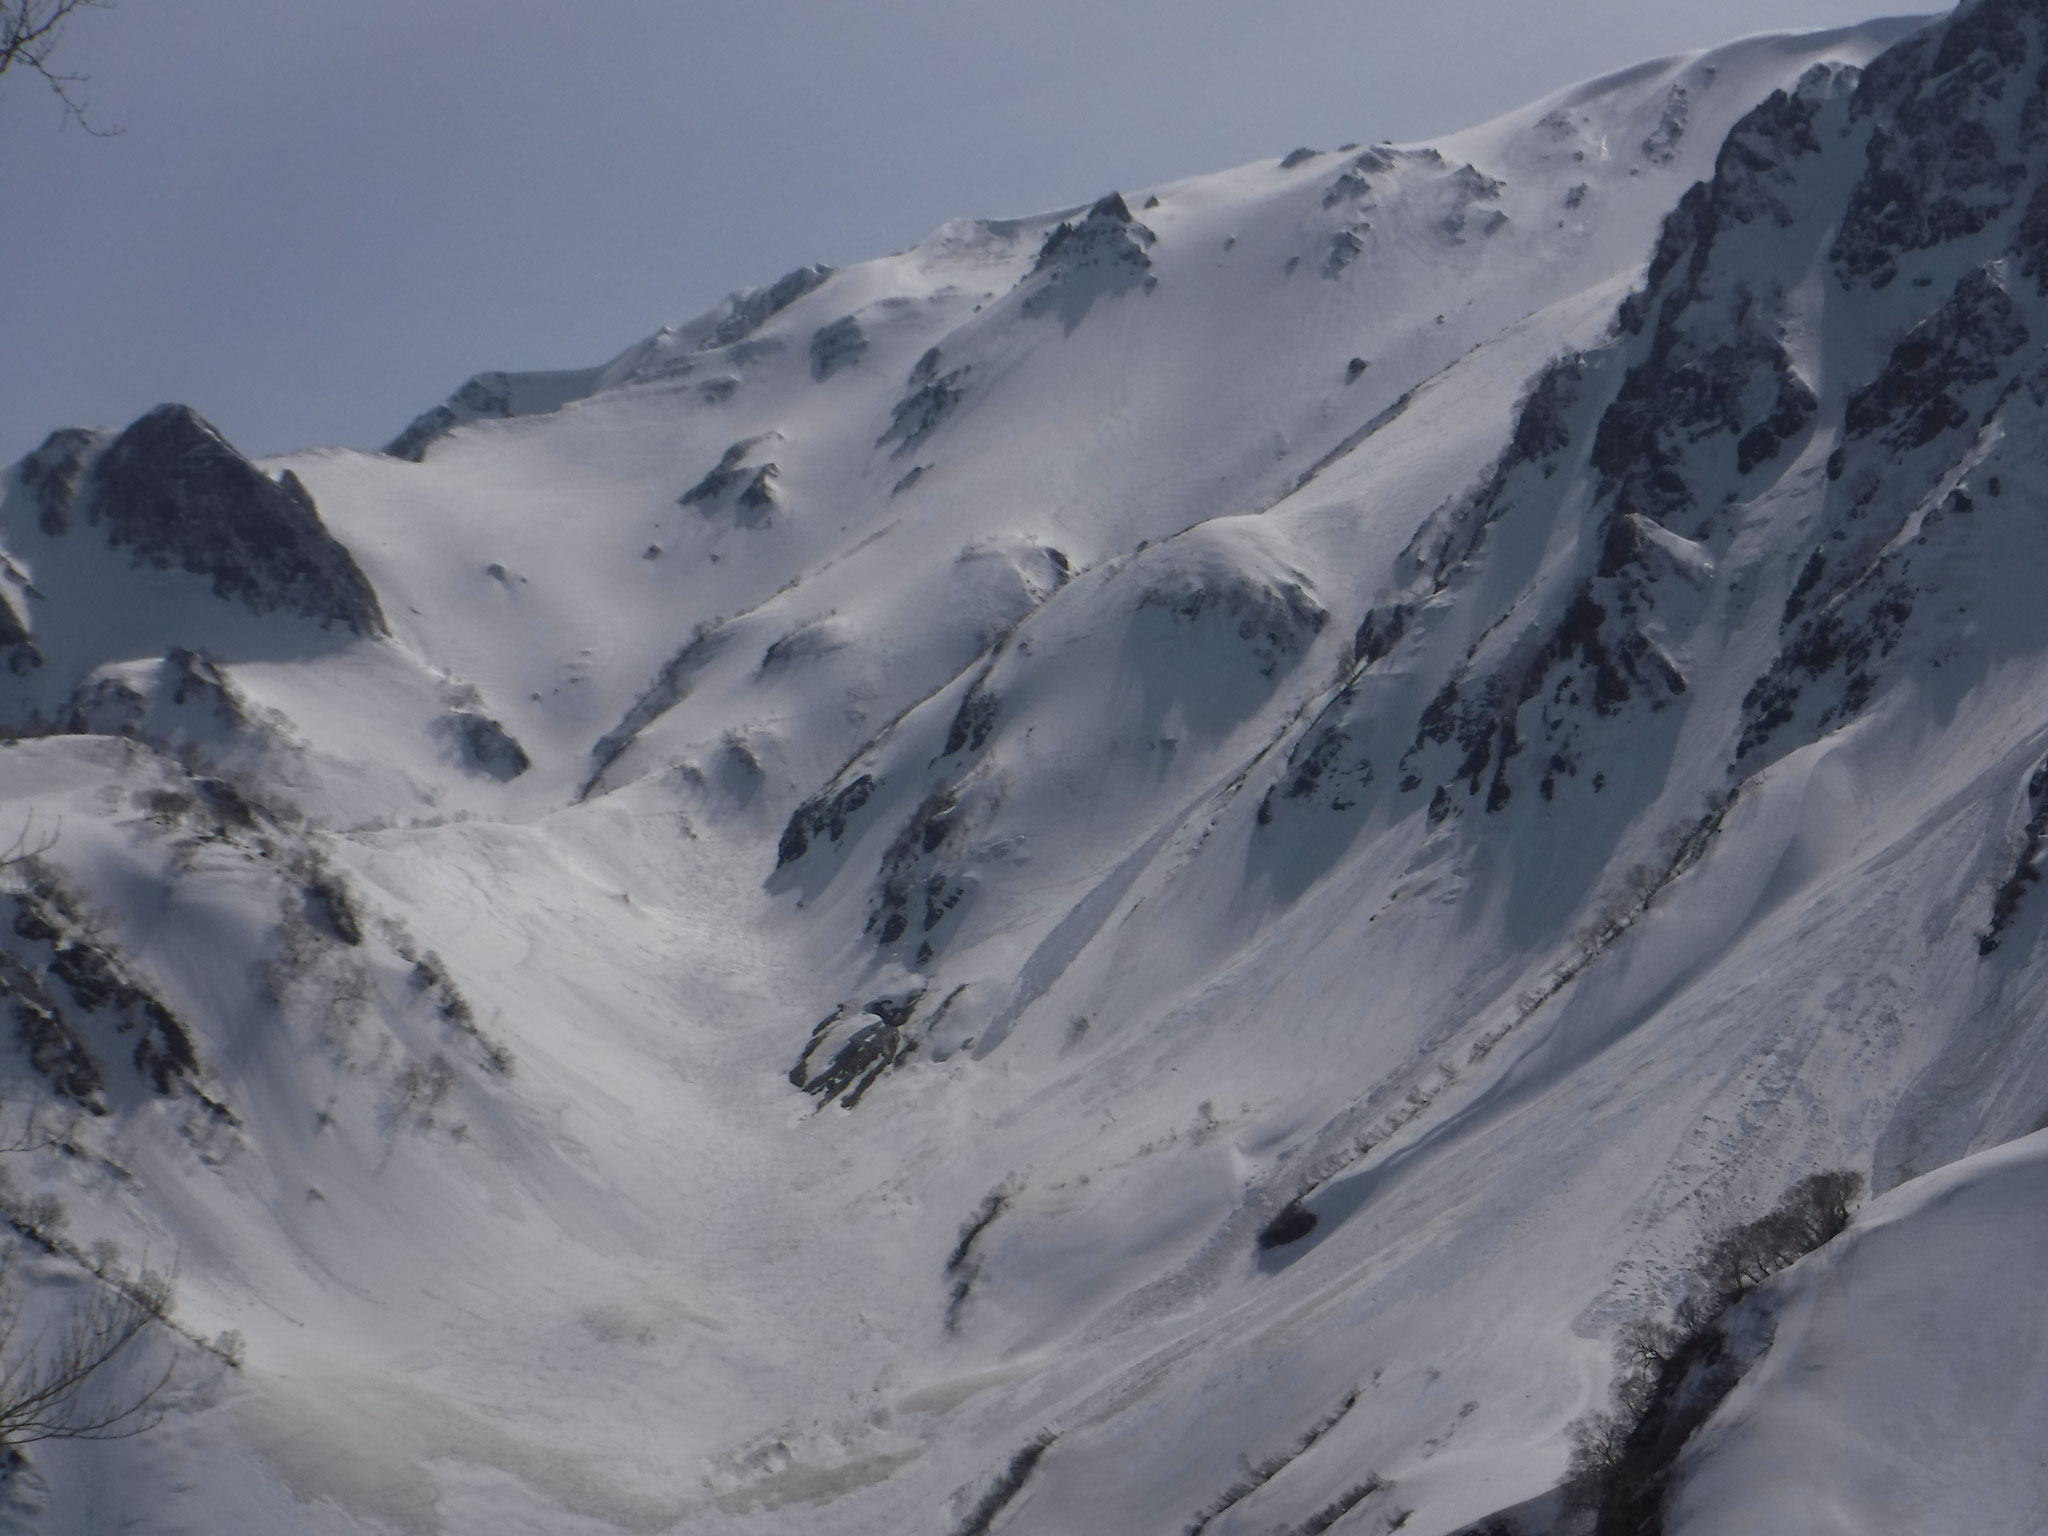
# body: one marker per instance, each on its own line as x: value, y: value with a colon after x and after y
x: 2026, y: 872
x: 670, y: 687
x: 328, y: 906
x: 836, y: 346
x: 1351, y: 186
x: 971, y: 725
x: 864, y: 1055
x: 915, y: 886
x: 172, y: 492
x: 1378, y: 634
x: 1913, y: 401
x: 1541, y: 432
x: 1660, y: 147
x: 487, y: 747
x: 492, y: 396
x: 758, y: 498
x: 1346, y: 246
x: 1292, y: 1224
x: 728, y: 472
x: 16, y: 640
x: 2030, y: 240
x: 1809, y: 578
x: 824, y: 815
x: 751, y: 308
x: 1323, y: 766
x: 1852, y: 632
x: 1107, y: 236
x: 52, y: 475
x: 1935, y: 169
x: 1277, y: 620
x: 919, y: 414
x: 104, y: 1001
x: 488, y: 395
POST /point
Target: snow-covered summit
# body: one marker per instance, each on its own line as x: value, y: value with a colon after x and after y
x: 1140, y: 868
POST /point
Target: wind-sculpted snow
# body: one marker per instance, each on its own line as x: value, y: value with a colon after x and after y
x: 1143, y: 868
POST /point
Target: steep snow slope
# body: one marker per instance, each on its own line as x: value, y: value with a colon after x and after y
x: 759, y: 932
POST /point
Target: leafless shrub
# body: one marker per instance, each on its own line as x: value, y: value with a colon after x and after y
x: 1672, y: 1373
x: 62, y: 1381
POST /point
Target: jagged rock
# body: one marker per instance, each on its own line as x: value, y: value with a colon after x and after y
x: 1108, y: 238
x: 172, y: 492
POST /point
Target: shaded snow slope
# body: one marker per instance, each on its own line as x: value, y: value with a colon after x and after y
x: 1483, y: 702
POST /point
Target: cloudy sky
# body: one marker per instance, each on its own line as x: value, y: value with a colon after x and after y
x: 320, y: 218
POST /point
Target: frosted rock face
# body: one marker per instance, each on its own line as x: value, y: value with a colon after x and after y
x: 173, y: 493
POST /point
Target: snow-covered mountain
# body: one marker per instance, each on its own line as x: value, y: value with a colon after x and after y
x: 1140, y: 869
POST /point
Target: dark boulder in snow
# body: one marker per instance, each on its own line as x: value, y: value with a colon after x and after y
x: 173, y: 492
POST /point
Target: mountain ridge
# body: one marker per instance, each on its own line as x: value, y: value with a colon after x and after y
x: 1028, y: 899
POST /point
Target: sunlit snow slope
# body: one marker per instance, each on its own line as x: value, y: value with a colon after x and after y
x: 748, y: 939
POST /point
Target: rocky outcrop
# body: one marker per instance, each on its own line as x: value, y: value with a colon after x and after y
x: 173, y: 493
x: 1953, y: 116
x: 492, y: 396
x: 836, y: 346
x: 52, y: 474
x: 748, y: 310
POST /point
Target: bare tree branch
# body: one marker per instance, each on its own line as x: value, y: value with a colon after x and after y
x: 28, y: 844
x: 30, y: 34
x: 62, y: 1385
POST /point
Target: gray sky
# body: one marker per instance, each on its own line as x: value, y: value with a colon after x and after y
x: 323, y: 217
